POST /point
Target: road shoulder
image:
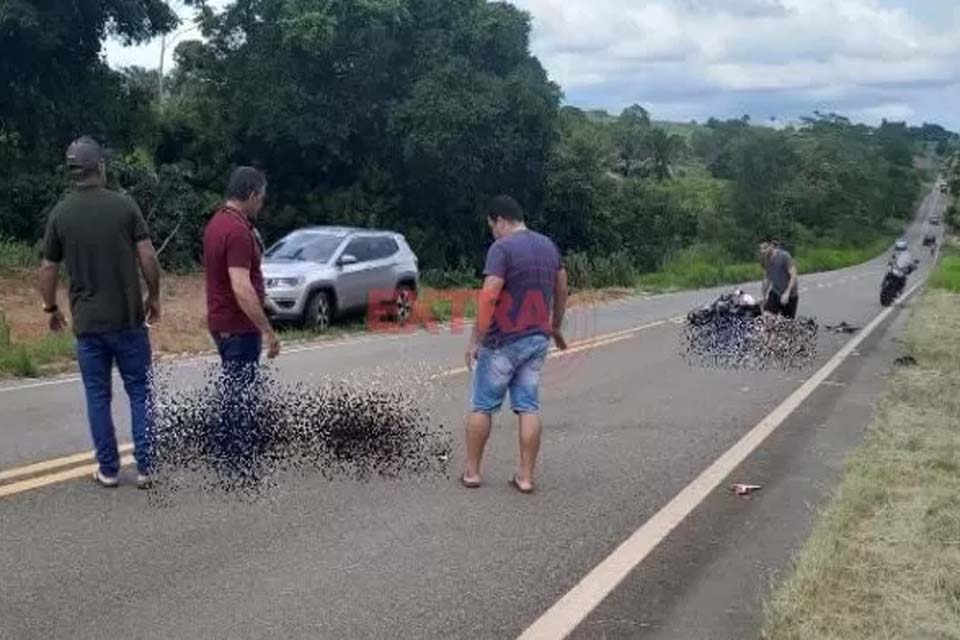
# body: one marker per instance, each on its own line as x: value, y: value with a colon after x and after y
x: 710, y: 577
x: 884, y: 559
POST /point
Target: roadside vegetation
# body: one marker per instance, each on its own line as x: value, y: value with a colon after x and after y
x: 409, y: 115
x: 884, y: 560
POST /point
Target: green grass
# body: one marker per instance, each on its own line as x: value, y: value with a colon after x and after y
x: 884, y: 559
x: 16, y: 256
x: 704, y: 266
x: 27, y: 360
x: 699, y: 267
x: 817, y: 259
x: 947, y: 275
x: 442, y: 310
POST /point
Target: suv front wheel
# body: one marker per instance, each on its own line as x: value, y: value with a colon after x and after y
x: 403, y: 304
x: 319, y: 312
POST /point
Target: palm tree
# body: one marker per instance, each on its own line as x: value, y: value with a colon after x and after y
x: 664, y: 150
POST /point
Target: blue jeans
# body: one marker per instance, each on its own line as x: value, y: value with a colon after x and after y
x: 516, y: 366
x: 239, y: 349
x: 96, y: 354
x: 237, y: 438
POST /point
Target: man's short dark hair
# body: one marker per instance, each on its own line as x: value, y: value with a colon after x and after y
x: 246, y: 182
x: 505, y: 207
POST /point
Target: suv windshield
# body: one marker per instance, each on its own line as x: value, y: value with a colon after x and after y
x: 306, y: 247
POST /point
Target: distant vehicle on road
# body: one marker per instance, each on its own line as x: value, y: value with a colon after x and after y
x: 943, y: 188
x: 316, y: 274
x: 935, y: 221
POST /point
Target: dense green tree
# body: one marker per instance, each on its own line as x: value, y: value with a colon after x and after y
x: 409, y: 114
x: 55, y: 83
x: 436, y: 102
x: 55, y: 86
x: 630, y: 140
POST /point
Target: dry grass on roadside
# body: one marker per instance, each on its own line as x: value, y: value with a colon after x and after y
x: 28, y: 349
x: 884, y: 560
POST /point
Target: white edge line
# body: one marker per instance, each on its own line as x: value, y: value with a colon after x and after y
x: 573, y: 608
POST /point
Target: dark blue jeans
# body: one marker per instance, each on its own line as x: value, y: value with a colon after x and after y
x: 96, y: 354
x: 237, y: 437
x: 239, y: 348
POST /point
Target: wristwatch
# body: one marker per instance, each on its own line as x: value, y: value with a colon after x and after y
x: 52, y: 309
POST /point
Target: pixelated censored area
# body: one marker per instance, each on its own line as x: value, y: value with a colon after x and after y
x: 239, y: 430
x: 750, y: 343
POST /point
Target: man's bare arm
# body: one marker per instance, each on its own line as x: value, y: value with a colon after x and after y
x: 248, y: 299
x: 47, y: 282
x: 561, y: 293
x: 486, y: 307
x: 794, y: 276
x: 150, y: 267
x: 487, y: 304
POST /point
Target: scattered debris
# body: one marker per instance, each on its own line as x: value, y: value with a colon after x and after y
x: 733, y: 333
x: 843, y: 327
x: 905, y: 361
x: 239, y: 431
x: 745, y: 489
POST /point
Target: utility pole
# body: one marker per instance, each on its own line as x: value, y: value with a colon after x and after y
x: 163, y: 55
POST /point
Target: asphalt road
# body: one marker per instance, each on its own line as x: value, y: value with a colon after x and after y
x: 627, y: 425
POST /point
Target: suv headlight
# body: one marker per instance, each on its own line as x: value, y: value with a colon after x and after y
x: 277, y: 283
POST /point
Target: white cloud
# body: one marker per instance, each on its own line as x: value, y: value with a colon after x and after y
x: 890, y: 111
x: 695, y: 58
x: 784, y: 56
x: 147, y: 55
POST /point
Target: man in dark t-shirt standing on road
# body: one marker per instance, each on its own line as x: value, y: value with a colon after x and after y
x: 102, y: 239
x: 525, y: 279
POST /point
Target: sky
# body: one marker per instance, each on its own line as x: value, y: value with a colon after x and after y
x: 771, y: 59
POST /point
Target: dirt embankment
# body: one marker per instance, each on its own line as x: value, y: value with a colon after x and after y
x: 183, y: 326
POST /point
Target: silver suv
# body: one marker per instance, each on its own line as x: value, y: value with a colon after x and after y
x: 316, y: 274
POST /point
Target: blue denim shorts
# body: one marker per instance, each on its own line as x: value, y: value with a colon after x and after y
x: 516, y: 367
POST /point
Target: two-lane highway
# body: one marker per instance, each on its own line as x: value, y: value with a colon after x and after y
x: 627, y: 426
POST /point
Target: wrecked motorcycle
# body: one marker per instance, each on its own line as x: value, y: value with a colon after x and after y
x: 732, y: 332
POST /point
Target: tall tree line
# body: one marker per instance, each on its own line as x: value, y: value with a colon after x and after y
x: 408, y: 114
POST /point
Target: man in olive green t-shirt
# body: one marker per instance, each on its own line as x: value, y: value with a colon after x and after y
x: 102, y: 239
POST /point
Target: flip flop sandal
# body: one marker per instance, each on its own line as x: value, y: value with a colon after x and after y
x: 469, y: 484
x: 516, y: 485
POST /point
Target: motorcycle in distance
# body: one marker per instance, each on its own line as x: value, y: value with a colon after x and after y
x: 930, y: 241
x: 900, y: 266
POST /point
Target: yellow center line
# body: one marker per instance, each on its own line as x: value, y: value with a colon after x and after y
x: 583, y: 345
x: 42, y: 479
x: 56, y: 463
x: 53, y: 478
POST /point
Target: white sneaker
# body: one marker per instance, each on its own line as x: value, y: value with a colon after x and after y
x: 144, y: 482
x: 104, y: 480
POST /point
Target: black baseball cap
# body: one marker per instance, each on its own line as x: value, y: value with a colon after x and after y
x: 84, y: 153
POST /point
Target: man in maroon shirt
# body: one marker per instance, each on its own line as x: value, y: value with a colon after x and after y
x: 232, y: 250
